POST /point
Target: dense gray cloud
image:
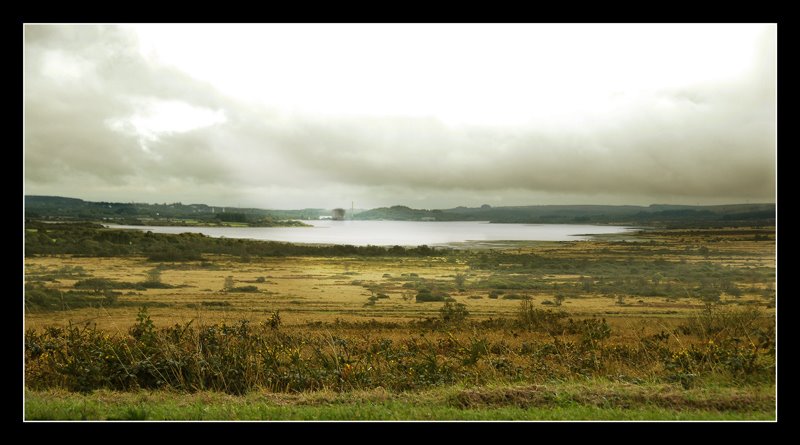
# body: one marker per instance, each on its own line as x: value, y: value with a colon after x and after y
x: 708, y: 143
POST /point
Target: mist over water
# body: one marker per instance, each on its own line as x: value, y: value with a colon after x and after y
x: 401, y: 233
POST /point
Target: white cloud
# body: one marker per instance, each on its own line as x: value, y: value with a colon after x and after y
x: 460, y: 73
x: 162, y: 117
x: 427, y: 115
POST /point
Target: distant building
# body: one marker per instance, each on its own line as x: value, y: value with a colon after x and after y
x: 427, y: 218
x: 338, y: 214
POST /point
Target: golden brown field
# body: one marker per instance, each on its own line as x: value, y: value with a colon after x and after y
x: 674, y: 310
x: 307, y: 289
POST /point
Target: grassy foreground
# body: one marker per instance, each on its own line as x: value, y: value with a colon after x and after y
x: 594, y: 400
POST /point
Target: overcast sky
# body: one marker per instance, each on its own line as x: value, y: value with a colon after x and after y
x: 424, y: 115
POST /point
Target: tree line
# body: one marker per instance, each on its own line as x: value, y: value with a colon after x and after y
x: 89, y: 239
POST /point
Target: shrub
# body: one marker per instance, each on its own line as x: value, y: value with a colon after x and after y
x: 151, y: 285
x: 516, y: 297
x: 40, y: 297
x: 153, y: 276
x: 712, y: 321
x: 174, y: 254
x: 229, y: 283
x: 425, y: 296
x: 495, y: 294
x: 460, y: 280
x: 529, y: 317
x: 590, y: 329
x: 99, y: 284
x: 215, y: 303
x: 274, y: 321
x: 144, y: 330
x: 453, y: 312
x: 249, y: 288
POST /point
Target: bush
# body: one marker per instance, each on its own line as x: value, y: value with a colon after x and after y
x: 40, y: 297
x: 99, y: 284
x: 250, y: 288
x: 712, y: 321
x: 215, y: 303
x: 532, y: 318
x: 495, y: 294
x: 460, y: 280
x: 153, y: 276
x: 425, y: 296
x: 229, y: 283
x: 453, y: 312
x: 274, y: 321
x: 174, y: 254
x: 516, y: 297
x: 590, y: 329
x: 152, y: 285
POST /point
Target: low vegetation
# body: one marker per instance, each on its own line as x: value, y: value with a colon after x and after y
x: 680, y: 324
x: 733, y: 346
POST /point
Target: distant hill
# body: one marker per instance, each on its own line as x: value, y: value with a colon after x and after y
x: 57, y: 207
x: 671, y: 215
x: 403, y: 213
x: 656, y: 215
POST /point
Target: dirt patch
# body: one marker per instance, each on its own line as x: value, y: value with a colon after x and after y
x: 540, y: 396
x: 523, y: 397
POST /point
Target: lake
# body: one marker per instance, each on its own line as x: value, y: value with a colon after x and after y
x: 401, y: 233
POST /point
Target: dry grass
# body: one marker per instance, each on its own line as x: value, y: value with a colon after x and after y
x: 619, y: 396
x: 307, y: 290
x: 324, y: 289
x: 319, y: 297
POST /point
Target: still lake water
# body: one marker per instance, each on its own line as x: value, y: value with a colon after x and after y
x: 401, y: 233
